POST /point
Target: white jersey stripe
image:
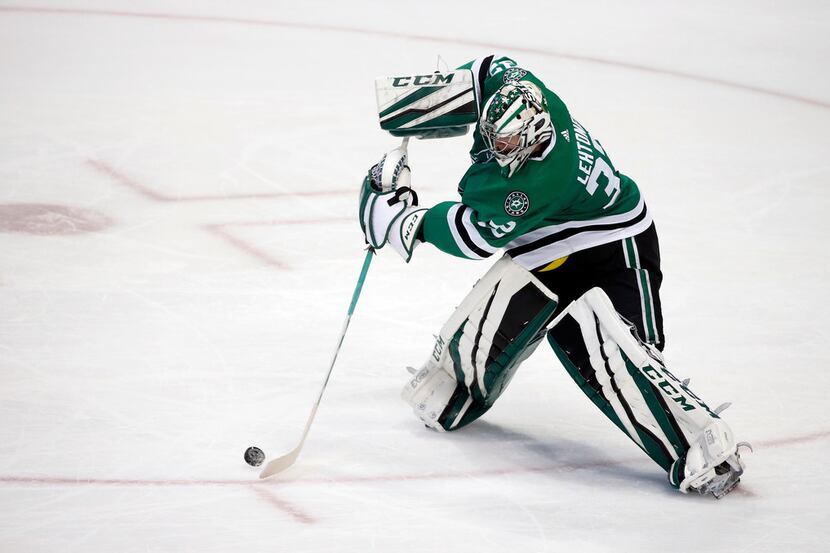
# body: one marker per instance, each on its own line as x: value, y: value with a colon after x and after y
x: 534, y: 235
x: 474, y: 233
x: 581, y: 241
x: 451, y: 214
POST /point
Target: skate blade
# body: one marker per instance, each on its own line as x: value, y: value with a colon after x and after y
x: 726, y: 489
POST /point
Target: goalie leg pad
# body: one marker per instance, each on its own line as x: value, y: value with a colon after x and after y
x: 429, y: 393
x: 628, y: 381
x: 496, y: 327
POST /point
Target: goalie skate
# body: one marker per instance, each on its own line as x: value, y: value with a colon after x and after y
x: 726, y: 476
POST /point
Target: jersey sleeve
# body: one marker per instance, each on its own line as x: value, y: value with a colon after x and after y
x: 452, y: 227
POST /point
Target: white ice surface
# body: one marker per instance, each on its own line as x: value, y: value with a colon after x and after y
x: 220, y: 147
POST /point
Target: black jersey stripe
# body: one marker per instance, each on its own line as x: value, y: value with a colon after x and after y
x: 465, y: 236
x: 570, y: 232
x: 483, y: 71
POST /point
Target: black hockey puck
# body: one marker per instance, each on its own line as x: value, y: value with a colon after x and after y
x: 254, y: 456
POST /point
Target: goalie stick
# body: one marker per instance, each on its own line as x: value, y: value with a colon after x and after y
x: 281, y: 463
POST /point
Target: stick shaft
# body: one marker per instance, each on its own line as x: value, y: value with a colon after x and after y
x: 283, y: 462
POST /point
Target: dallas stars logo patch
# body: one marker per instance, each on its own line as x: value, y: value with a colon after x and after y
x: 516, y: 204
x: 513, y: 74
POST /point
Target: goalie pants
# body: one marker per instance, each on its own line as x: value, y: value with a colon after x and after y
x: 627, y: 270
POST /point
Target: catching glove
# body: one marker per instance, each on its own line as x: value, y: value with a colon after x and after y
x: 388, y: 209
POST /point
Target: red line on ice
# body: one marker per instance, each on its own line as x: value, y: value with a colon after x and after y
x: 284, y: 506
x: 80, y: 481
x: 124, y: 179
x: 220, y: 231
x: 118, y: 482
x: 821, y: 434
x: 421, y: 38
x: 553, y: 468
x: 277, y: 222
x: 121, y: 178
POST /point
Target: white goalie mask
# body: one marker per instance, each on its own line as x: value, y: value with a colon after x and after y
x: 513, y: 122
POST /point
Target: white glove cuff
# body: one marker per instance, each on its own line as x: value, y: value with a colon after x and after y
x: 404, y: 231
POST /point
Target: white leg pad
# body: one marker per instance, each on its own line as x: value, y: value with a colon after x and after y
x: 429, y: 392
x: 655, y: 409
x: 491, y: 332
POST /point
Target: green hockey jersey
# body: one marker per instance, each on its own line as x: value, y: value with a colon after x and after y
x: 565, y: 199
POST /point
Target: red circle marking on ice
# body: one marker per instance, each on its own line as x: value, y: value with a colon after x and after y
x: 50, y: 220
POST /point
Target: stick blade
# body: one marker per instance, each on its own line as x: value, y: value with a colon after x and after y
x: 279, y: 464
